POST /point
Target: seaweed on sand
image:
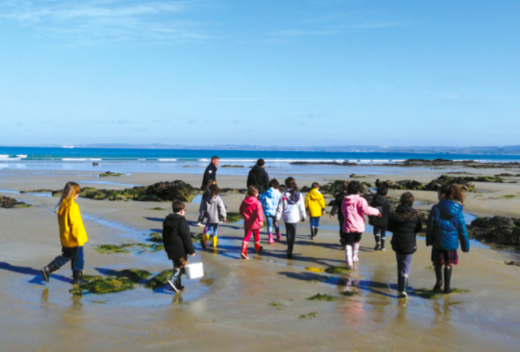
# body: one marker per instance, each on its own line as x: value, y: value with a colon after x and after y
x: 159, y: 280
x: 323, y: 297
x: 233, y: 217
x: 336, y: 270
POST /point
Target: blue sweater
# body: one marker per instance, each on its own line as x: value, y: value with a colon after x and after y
x: 446, y: 226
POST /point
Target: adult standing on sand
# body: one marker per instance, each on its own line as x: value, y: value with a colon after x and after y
x: 258, y: 177
x: 211, y: 172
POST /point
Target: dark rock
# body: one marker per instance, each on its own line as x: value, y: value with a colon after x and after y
x: 436, y: 184
x: 322, y: 163
x: 497, y: 230
x: 232, y: 166
x: 10, y: 203
x: 110, y: 173
x: 403, y: 184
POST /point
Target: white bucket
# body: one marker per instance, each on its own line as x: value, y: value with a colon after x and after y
x: 194, y: 271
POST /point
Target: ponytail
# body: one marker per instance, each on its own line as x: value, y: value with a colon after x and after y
x: 452, y: 192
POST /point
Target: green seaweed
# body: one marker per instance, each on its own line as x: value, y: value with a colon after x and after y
x: 323, y: 297
x: 308, y: 316
x: 233, y: 217
x: 134, y: 275
x: 427, y: 293
x: 159, y: 280
x: 112, y: 248
x: 110, y: 173
x: 350, y: 293
x: 155, y: 237
x: 509, y: 196
x: 336, y: 270
x: 103, y: 285
x: 157, y: 208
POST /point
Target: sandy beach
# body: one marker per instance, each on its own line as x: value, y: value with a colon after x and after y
x: 255, y: 305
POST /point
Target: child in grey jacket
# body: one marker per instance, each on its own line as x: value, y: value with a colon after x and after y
x: 214, y: 209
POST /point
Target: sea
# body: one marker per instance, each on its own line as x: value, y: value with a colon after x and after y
x: 232, y: 162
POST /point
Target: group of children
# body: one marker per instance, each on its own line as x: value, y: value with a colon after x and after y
x: 445, y: 226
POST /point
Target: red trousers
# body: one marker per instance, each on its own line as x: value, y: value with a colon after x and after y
x: 248, y: 233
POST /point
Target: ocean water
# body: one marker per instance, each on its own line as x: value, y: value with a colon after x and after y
x: 194, y: 161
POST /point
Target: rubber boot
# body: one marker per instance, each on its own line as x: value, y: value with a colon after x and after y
x: 315, y: 231
x: 175, y: 281
x: 215, y: 241
x: 271, y: 239
x: 203, y: 241
x: 258, y: 247
x: 383, y: 244
x: 355, y: 253
x: 378, y: 242
x: 348, y: 255
x: 278, y: 234
x: 312, y: 232
x: 447, y: 279
x: 402, y: 284
x: 46, y: 272
x: 244, y: 250
x: 78, y: 278
x: 438, y: 277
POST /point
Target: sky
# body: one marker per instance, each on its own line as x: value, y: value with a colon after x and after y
x: 277, y: 73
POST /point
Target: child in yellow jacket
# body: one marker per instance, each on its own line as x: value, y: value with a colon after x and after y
x: 72, y: 235
x: 315, y: 205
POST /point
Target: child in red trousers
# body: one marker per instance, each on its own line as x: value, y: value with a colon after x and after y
x: 253, y: 214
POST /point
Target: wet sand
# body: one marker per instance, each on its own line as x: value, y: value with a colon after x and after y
x: 253, y: 305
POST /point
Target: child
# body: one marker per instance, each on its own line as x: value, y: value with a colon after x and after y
x: 292, y: 210
x: 445, y: 227
x: 336, y: 207
x: 404, y: 223
x: 205, y: 196
x: 315, y: 205
x: 270, y: 200
x: 382, y: 203
x: 251, y: 210
x: 72, y: 235
x: 177, y: 243
x: 214, y: 209
x: 354, y: 207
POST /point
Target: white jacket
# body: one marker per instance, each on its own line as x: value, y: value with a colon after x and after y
x: 291, y: 208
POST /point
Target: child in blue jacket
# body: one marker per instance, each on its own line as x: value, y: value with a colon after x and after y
x: 446, y: 226
x: 270, y: 200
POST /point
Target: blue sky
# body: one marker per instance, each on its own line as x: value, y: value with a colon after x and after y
x: 288, y: 73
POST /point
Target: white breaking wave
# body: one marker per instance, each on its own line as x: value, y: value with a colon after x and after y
x: 81, y: 159
x: 167, y: 160
x: 22, y: 156
x: 4, y: 156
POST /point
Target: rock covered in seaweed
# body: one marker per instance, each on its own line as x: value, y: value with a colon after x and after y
x: 496, y: 230
x: 403, y: 184
x: 10, y: 203
x: 110, y: 173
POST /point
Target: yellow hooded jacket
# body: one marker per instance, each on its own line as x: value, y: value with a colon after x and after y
x: 315, y: 203
x: 72, y: 230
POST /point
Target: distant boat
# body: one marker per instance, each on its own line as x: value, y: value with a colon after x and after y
x: 68, y: 146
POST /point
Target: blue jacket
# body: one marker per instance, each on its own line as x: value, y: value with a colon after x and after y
x: 270, y: 200
x: 446, y: 226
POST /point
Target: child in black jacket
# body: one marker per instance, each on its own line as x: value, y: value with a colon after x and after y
x: 380, y: 224
x: 177, y: 243
x: 404, y: 223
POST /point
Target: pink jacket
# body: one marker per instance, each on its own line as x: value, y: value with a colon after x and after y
x: 251, y: 210
x: 354, y: 207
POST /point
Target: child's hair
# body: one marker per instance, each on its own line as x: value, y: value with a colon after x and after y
x: 215, y: 158
x: 69, y: 191
x: 214, y: 190
x: 382, y: 189
x: 274, y: 183
x: 452, y: 192
x: 260, y: 162
x: 315, y: 185
x: 407, y: 199
x: 288, y: 181
x: 292, y: 186
x: 252, y: 191
x: 345, y: 185
x: 354, y: 187
x: 178, y: 206
x: 211, y: 182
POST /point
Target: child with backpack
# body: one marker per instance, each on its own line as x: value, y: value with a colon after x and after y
x: 177, y: 243
x: 315, y: 205
x: 404, y: 223
x: 253, y: 214
x: 292, y: 210
x: 380, y: 223
x: 445, y: 228
x: 214, y: 209
x: 270, y: 200
x: 354, y: 207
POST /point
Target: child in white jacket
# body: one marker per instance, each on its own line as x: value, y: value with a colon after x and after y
x: 292, y: 210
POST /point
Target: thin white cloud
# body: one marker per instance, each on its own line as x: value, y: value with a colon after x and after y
x: 93, y: 21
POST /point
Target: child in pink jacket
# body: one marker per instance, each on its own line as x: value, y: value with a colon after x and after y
x: 354, y: 207
x: 251, y: 210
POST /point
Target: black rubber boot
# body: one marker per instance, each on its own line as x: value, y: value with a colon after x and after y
x: 399, y: 285
x: 174, y: 280
x: 78, y: 278
x: 447, y: 279
x: 378, y: 242
x: 315, y: 232
x: 46, y: 272
x: 312, y: 233
x: 438, y: 278
x: 383, y: 244
x: 405, y: 286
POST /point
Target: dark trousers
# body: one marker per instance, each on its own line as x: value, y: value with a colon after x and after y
x: 404, y: 263
x: 380, y: 231
x: 74, y: 254
x: 291, y: 235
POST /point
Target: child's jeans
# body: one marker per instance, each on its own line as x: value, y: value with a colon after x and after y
x: 272, y: 224
x: 404, y: 263
x: 75, y: 254
x: 211, y: 229
x: 315, y: 221
x: 248, y: 232
x: 379, y: 231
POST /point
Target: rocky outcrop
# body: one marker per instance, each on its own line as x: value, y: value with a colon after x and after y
x: 497, y: 230
x: 110, y: 173
x: 322, y: 163
x: 404, y: 184
x: 464, y: 185
x: 10, y: 203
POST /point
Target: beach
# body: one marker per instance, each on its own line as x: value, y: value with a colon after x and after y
x: 252, y: 305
